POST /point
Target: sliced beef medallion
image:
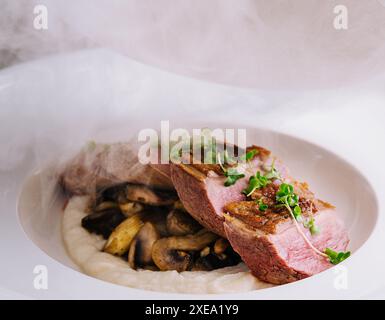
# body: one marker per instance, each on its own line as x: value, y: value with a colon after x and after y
x: 101, y: 166
x: 202, y: 190
x: 271, y: 246
x: 267, y: 239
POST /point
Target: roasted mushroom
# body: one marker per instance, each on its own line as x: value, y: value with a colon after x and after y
x: 120, y: 239
x: 106, y: 205
x: 103, y: 222
x: 149, y: 196
x: 180, y: 223
x: 130, y: 208
x: 206, y: 251
x: 157, y: 218
x: 173, y: 253
x: 221, y: 245
x: 213, y: 261
x: 115, y: 193
x: 140, y: 253
x: 140, y: 227
x: 219, y: 256
x: 179, y: 205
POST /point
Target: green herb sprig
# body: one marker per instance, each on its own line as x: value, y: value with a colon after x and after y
x: 256, y: 182
x: 232, y: 177
x: 310, y: 224
x: 273, y: 173
x: 231, y: 174
x: 287, y: 198
x: 259, y: 181
x: 248, y: 156
x: 336, y: 257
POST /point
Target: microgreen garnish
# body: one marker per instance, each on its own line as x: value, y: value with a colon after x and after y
x: 256, y: 182
x: 251, y: 154
x: 286, y: 197
x: 248, y: 156
x: 310, y: 224
x: 259, y: 181
x: 262, y: 206
x: 228, y: 159
x: 232, y: 176
x: 297, y: 213
x: 273, y: 173
x: 336, y: 257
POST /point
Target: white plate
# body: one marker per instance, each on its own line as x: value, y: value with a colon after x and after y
x: 54, y: 106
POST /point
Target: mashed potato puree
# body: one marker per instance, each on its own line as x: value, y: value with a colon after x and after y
x: 85, y: 249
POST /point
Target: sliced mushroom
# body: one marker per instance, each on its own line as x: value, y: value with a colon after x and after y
x: 131, y: 254
x: 157, y: 216
x: 106, y: 205
x: 159, y: 222
x: 221, y: 245
x: 202, y: 265
x: 205, y: 252
x: 120, y: 239
x: 130, y: 208
x: 207, y: 263
x: 140, y: 253
x: 172, y: 253
x: 103, y: 222
x: 149, y: 196
x: 219, y: 256
x: 180, y: 223
x: 115, y: 193
x: 179, y: 206
x: 213, y: 261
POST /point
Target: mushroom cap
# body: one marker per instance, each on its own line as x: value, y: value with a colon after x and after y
x: 172, y: 253
x: 140, y: 252
x: 180, y: 223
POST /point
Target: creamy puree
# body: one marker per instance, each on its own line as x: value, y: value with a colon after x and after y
x: 85, y: 250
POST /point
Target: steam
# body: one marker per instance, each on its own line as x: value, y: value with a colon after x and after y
x: 261, y: 44
x: 273, y: 47
x: 20, y: 41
